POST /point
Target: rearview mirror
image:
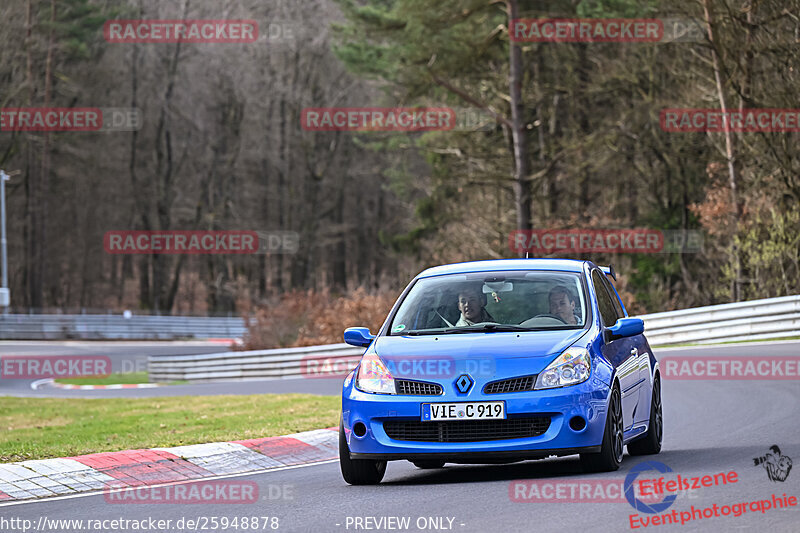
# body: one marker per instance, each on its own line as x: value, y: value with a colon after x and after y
x: 627, y: 327
x: 360, y: 337
x: 497, y: 286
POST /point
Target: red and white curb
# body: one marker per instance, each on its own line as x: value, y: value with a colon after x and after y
x: 52, y: 383
x: 135, y: 468
x: 237, y: 341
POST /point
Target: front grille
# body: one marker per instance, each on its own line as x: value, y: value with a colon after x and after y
x: 510, y: 385
x: 468, y: 430
x: 417, y: 388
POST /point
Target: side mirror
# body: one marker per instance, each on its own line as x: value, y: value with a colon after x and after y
x: 627, y: 327
x: 360, y: 337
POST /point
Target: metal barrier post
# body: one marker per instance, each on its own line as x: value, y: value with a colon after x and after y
x: 5, y: 296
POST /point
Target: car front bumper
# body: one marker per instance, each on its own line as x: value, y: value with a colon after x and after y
x: 587, y: 400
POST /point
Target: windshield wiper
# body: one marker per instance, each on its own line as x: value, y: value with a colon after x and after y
x: 420, y: 332
x: 481, y: 328
x: 487, y: 327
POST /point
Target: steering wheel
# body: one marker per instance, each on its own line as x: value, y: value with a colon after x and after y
x: 548, y: 315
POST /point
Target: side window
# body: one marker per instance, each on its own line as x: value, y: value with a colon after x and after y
x: 613, y: 294
x: 607, y: 311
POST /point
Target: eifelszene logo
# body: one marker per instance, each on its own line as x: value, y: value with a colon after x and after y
x: 777, y: 465
x: 636, y: 502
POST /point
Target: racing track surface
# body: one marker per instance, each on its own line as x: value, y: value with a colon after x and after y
x: 710, y: 427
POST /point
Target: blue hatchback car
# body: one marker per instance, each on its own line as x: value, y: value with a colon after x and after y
x: 501, y: 361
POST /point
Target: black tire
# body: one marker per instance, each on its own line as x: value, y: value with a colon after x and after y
x: 650, y: 443
x: 358, y: 471
x: 428, y: 464
x: 610, y: 456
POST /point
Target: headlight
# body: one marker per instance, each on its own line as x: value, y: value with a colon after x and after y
x: 373, y: 376
x: 570, y: 368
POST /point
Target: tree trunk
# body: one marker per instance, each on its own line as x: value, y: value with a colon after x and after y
x: 584, y: 105
x: 522, y: 194
x: 32, y: 238
x: 730, y: 154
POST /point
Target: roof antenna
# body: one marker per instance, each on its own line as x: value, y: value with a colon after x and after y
x: 527, y: 253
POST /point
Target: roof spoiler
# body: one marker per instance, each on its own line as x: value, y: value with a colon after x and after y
x: 609, y: 271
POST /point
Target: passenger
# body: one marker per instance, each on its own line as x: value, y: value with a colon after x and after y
x: 562, y: 305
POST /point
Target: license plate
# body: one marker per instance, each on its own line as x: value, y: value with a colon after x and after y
x: 463, y: 411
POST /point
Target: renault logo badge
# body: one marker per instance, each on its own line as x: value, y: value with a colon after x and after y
x: 464, y: 383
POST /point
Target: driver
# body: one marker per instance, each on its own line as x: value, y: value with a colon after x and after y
x: 562, y: 304
x: 472, y: 304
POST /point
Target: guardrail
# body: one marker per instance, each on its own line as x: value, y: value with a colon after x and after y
x: 118, y: 327
x: 312, y: 361
x: 757, y: 319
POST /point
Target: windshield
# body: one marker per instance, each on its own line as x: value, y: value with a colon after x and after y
x: 492, y: 301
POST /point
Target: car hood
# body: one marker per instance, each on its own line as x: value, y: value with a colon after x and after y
x: 500, y: 345
x: 484, y: 356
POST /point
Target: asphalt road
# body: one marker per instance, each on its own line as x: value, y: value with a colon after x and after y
x: 710, y: 427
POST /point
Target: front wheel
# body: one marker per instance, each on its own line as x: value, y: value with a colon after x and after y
x: 610, y: 456
x: 650, y: 443
x: 358, y: 471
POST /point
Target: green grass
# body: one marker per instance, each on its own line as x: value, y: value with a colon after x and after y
x: 126, y: 378
x: 40, y: 428
x: 112, y: 379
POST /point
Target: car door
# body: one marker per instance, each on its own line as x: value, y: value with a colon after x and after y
x: 623, y: 354
x: 642, y: 410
